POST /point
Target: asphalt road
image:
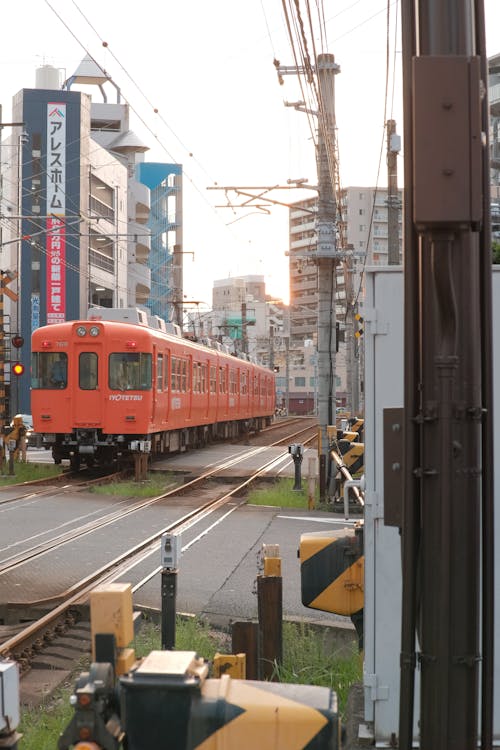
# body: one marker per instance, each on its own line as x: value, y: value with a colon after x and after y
x: 219, y: 562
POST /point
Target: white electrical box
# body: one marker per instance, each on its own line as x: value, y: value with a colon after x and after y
x: 141, y: 446
x: 383, y: 311
x: 9, y: 696
x: 171, y: 550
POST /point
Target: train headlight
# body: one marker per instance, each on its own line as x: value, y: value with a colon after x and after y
x: 94, y: 331
x: 81, y: 331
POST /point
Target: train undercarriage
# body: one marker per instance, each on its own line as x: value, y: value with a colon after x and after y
x: 91, y: 447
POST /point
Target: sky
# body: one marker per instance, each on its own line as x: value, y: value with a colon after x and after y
x: 207, y: 68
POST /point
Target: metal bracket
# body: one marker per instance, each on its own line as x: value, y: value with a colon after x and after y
x: 373, y: 324
x: 376, y: 692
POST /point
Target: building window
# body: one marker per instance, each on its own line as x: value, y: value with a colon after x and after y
x: 300, y: 382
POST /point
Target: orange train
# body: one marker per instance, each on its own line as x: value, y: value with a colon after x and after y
x: 103, y: 390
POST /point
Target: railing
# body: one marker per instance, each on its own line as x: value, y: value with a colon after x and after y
x: 102, y: 209
x: 101, y: 261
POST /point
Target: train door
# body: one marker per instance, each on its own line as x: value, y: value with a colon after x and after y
x: 87, y: 404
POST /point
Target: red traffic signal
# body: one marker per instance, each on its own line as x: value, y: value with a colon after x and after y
x: 18, y: 368
x: 17, y: 341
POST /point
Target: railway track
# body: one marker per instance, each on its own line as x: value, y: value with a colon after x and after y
x: 57, y: 610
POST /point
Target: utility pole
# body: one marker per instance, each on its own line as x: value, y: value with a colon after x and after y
x: 393, y: 148
x: 244, y: 340
x: 352, y: 359
x: 271, y: 347
x: 177, y: 277
x: 448, y: 529
x: 4, y: 280
x: 326, y: 259
x: 326, y: 255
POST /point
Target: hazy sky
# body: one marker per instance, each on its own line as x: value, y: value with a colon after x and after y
x: 208, y: 69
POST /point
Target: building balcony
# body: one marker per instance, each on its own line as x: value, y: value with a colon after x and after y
x: 494, y: 97
x: 141, y: 194
x: 139, y: 282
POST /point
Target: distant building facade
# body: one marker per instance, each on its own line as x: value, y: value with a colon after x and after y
x: 75, y: 185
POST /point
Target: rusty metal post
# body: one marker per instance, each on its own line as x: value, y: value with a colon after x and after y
x: 245, y: 639
x: 270, y: 608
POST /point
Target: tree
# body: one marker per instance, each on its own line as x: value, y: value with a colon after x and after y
x: 496, y: 253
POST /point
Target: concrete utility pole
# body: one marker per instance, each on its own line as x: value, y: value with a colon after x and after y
x: 351, y: 356
x: 244, y: 337
x: 326, y: 254
x: 393, y: 148
x: 326, y: 258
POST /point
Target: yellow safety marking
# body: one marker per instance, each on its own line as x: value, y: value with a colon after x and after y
x: 316, y: 541
x: 347, y: 591
x: 269, y: 721
x: 232, y: 664
x: 272, y: 566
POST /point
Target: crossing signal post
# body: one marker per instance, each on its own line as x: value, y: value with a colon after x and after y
x: 360, y: 330
x: 5, y: 279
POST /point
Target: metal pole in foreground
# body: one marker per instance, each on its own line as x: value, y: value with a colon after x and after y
x: 170, y: 555
x: 168, y: 607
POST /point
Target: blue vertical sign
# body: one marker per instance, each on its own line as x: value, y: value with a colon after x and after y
x: 35, y: 311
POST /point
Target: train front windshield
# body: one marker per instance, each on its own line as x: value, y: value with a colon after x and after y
x: 49, y: 370
x: 130, y: 372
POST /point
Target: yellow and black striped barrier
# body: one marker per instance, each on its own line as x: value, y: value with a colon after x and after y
x: 351, y: 455
x: 167, y: 700
x: 332, y: 570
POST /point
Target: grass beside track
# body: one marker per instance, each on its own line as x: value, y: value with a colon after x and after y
x: 308, y: 659
x: 155, y: 483
x: 28, y: 472
x: 282, y: 495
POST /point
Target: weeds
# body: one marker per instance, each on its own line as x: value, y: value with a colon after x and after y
x: 27, y: 472
x: 308, y: 659
x: 155, y: 483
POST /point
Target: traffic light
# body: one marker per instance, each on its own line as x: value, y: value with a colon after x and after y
x: 18, y: 368
x: 17, y: 341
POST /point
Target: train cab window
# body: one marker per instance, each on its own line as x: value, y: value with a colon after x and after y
x: 130, y: 371
x: 87, y: 371
x: 49, y: 370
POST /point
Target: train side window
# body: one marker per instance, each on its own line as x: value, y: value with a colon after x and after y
x: 222, y: 380
x: 49, y: 370
x: 159, y: 372
x: 176, y: 376
x: 87, y: 371
x: 213, y: 379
